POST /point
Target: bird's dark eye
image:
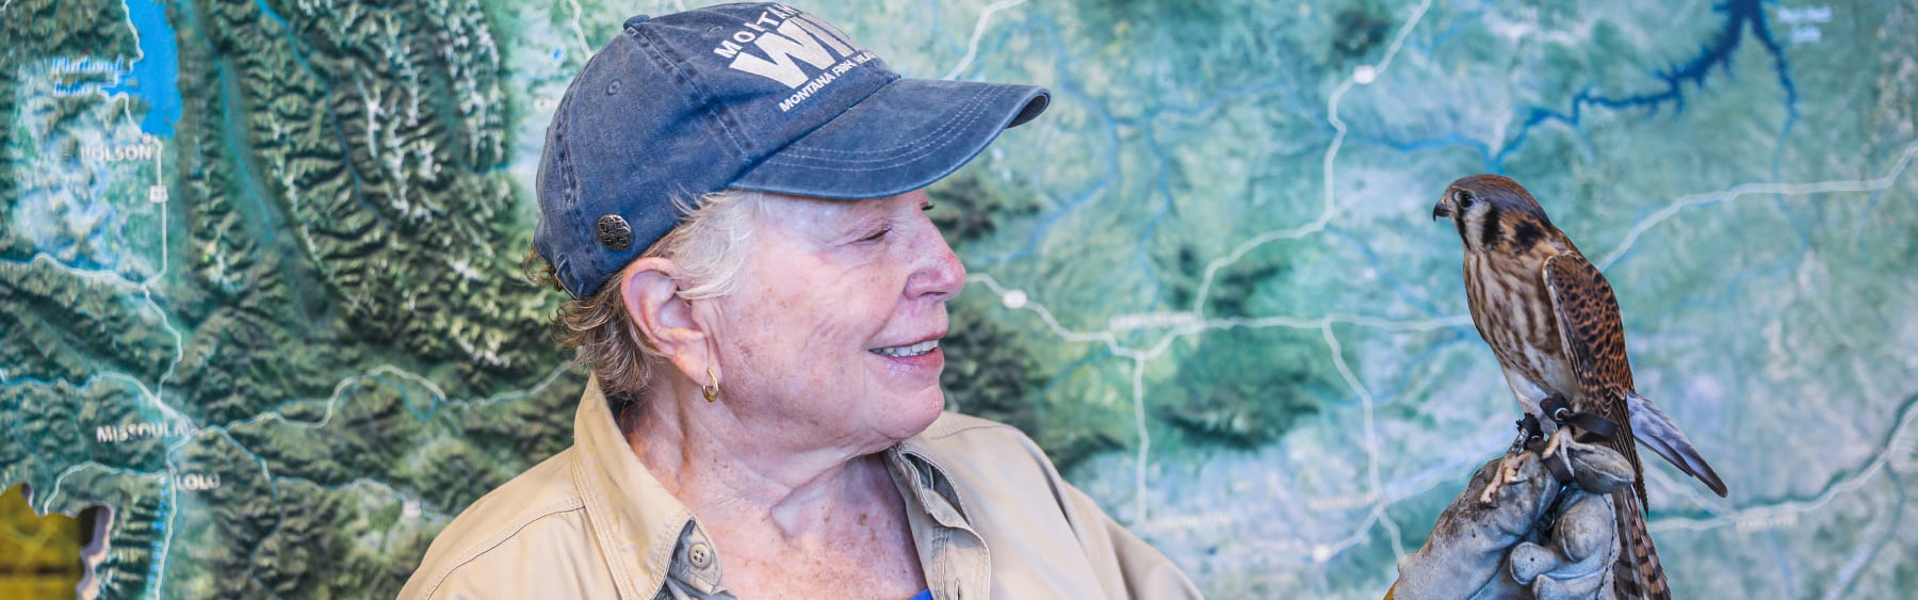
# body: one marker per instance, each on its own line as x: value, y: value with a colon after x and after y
x: 1464, y: 198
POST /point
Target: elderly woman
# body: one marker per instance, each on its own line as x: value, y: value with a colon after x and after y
x: 732, y: 197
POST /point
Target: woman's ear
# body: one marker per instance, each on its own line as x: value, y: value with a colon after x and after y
x: 651, y: 294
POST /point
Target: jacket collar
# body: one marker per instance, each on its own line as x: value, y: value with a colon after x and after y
x: 635, y: 522
x: 650, y: 539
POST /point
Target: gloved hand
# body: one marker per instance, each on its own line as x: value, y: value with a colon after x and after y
x: 1537, y: 538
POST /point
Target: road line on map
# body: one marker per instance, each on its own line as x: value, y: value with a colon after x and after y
x: 440, y: 397
x: 1787, y: 189
x: 1329, y: 193
x: 579, y: 33
x: 979, y: 31
x: 46, y: 506
x: 355, y: 381
x: 1329, y: 211
x: 159, y: 388
x: 1139, y: 504
x: 1880, y: 461
x: 332, y: 402
x: 154, y: 396
x: 1371, y: 436
x: 146, y: 287
x: 1045, y: 315
x: 172, y: 414
x: 516, y: 394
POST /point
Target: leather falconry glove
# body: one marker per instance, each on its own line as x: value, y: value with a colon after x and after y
x: 1536, y: 538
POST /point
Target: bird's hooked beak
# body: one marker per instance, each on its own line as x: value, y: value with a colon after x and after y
x: 1443, y: 208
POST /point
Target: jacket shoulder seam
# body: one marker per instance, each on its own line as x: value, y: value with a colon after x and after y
x: 505, y: 534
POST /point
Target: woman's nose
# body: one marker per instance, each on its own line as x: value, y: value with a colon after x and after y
x: 937, y: 272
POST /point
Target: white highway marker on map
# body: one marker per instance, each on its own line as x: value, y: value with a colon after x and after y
x: 1365, y: 74
x: 1014, y: 299
x: 1321, y: 553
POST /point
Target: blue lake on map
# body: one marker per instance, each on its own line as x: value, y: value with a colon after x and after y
x: 156, y: 75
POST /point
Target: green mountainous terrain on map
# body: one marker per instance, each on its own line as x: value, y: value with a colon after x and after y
x: 261, y: 293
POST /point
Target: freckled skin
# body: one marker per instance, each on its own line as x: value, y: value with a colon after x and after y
x: 871, y: 555
x: 783, y: 470
x: 817, y: 296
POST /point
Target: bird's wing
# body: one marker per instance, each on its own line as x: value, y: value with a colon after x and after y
x: 1593, y: 336
x: 1595, y: 341
x: 1588, y: 318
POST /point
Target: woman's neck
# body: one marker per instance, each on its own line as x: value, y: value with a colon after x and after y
x: 728, y: 470
x: 791, y: 520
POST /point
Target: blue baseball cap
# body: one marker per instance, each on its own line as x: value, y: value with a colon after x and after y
x: 758, y: 97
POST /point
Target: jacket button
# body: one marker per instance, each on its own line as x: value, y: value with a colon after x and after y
x: 700, y: 555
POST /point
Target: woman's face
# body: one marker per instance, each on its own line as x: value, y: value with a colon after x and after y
x: 831, y: 336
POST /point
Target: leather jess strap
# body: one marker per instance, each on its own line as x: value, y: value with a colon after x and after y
x: 1590, y: 428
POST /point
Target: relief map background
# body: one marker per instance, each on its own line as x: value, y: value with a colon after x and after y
x: 259, y: 261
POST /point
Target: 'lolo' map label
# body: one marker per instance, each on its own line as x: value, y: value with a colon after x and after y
x: 197, y: 481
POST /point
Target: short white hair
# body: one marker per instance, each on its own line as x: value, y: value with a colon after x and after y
x: 709, y: 246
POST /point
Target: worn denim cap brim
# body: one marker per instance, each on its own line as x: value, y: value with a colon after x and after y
x: 905, y: 136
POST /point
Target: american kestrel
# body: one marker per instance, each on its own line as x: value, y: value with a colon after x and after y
x: 1551, y: 318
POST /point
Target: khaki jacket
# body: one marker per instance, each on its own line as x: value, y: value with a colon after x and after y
x: 990, y: 516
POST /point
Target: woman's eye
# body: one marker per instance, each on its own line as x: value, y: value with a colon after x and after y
x: 927, y: 207
x: 876, y: 235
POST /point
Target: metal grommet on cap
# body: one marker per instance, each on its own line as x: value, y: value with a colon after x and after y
x: 614, y: 233
x: 612, y: 88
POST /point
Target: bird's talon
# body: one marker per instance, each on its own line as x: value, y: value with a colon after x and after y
x: 1508, y: 472
x: 1551, y: 445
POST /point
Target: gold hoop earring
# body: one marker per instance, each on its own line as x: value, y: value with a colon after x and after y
x: 711, y: 390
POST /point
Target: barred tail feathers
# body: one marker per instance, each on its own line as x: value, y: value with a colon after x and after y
x: 1638, y: 574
